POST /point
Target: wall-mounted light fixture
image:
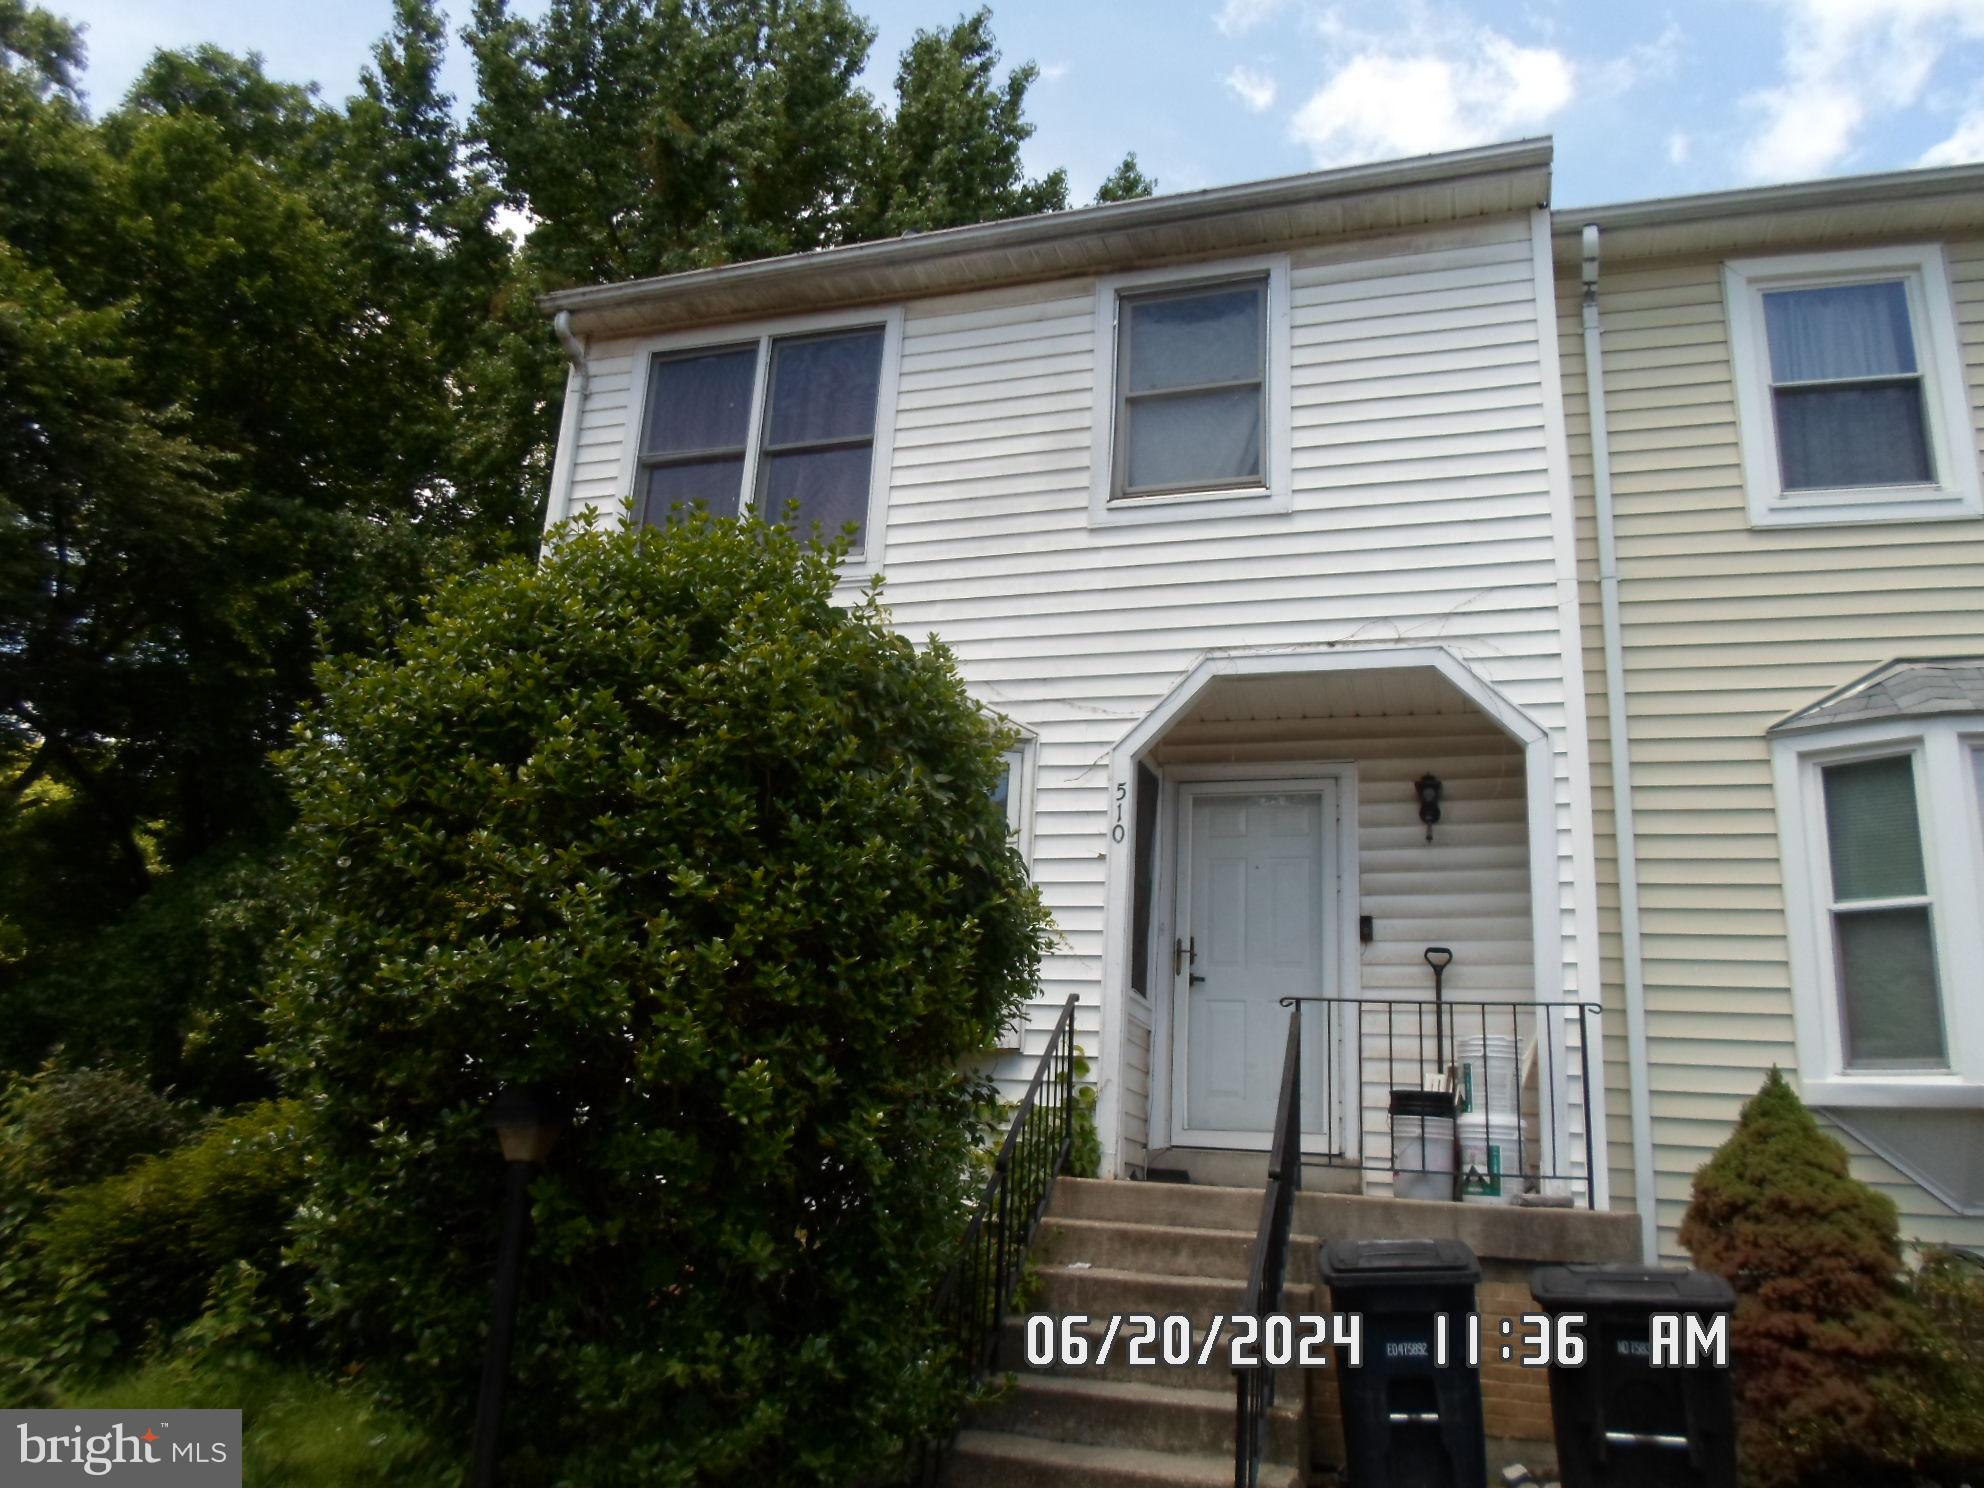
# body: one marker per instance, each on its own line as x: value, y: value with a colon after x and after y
x: 1429, y: 789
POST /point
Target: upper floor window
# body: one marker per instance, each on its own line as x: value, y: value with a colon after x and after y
x: 781, y: 424
x: 1191, y: 392
x: 1849, y: 388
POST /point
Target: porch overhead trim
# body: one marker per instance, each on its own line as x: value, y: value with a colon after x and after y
x: 1898, y: 689
x: 1896, y: 204
x: 1390, y: 195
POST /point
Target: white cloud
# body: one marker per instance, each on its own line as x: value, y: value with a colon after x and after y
x: 1678, y: 146
x: 1238, y: 17
x: 1845, y: 63
x: 1255, y: 89
x: 1963, y: 146
x: 1053, y: 72
x: 1431, y: 89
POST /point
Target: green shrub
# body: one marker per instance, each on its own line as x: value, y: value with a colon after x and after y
x: 138, y: 1256
x: 61, y: 1127
x: 1839, y: 1373
x: 657, y: 825
x: 296, y: 1431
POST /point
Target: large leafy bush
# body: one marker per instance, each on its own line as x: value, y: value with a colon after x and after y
x: 658, y: 825
x: 133, y: 1258
x: 1841, y: 1376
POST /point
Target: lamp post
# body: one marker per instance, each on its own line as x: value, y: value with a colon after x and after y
x: 526, y: 1127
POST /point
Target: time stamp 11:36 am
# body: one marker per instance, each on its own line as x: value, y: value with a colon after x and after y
x: 1314, y: 1340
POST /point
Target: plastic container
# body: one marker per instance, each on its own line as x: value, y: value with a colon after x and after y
x: 1408, y: 1421
x: 1488, y: 1065
x: 1490, y: 1158
x: 1422, y: 1144
x: 1620, y: 1423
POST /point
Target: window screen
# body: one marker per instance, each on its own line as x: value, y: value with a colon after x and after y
x: 1191, y: 373
x: 819, y: 445
x: 699, y: 421
x: 1846, y: 390
x: 814, y: 448
x: 1883, y: 944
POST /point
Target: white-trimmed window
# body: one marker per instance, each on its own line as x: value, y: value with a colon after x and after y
x: 1191, y: 392
x: 795, y: 417
x: 1014, y: 792
x: 1849, y: 388
x: 1883, y: 834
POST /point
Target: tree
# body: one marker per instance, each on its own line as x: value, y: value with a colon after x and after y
x: 647, y: 136
x: 659, y: 826
x: 1125, y: 183
x: 951, y: 154
x: 1831, y: 1353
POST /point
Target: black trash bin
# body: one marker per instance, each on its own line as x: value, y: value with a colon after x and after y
x: 1407, y: 1421
x: 1620, y: 1422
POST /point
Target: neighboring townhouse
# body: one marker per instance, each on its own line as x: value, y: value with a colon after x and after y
x: 1781, y: 553
x: 1250, y: 509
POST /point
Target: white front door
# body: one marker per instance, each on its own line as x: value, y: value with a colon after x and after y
x: 1259, y: 913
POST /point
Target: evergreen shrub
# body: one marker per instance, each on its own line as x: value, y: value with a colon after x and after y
x: 658, y: 826
x: 1840, y: 1375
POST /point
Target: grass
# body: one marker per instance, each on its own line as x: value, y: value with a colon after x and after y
x: 299, y: 1430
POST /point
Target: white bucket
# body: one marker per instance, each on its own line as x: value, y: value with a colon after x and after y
x: 1422, y: 1142
x: 1490, y: 1167
x: 1487, y: 1073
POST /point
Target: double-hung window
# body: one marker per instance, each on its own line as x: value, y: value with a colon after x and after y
x: 1881, y: 918
x: 792, y: 426
x: 1191, y: 392
x: 1849, y: 388
x: 1881, y: 811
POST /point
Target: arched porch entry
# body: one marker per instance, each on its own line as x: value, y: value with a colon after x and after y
x: 1266, y: 841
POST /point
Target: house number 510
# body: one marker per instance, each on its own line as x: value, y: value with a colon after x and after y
x: 1122, y: 793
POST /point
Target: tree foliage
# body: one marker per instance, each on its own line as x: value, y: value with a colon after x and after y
x: 1838, y: 1373
x: 1125, y: 183
x: 661, y: 827
x: 273, y: 367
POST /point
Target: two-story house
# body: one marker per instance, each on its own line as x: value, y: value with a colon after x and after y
x: 1774, y: 401
x: 1314, y: 535
x: 1251, y: 510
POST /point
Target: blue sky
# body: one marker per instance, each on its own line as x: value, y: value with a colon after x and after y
x: 1644, y: 99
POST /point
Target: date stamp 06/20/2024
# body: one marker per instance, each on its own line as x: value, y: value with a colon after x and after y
x: 1316, y: 1340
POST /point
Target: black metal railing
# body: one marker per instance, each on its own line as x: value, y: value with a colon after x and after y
x: 1526, y: 1061
x: 973, y: 1298
x: 1267, y: 1272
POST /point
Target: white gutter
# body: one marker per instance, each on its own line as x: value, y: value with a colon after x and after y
x: 565, y: 459
x: 1639, y: 1095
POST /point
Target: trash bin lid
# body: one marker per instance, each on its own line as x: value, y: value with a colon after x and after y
x: 1651, y: 1287
x: 1420, y: 1262
x: 1423, y: 1103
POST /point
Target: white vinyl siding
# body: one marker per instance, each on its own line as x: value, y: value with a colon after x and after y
x: 1420, y: 514
x: 1726, y: 629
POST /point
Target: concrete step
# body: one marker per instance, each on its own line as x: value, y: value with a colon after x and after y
x: 1190, y: 1205
x: 1222, y: 1167
x: 1117, y: 1413
x: 1100, y: 1291
x: 997, y: 1459
x: 1161, y: 1250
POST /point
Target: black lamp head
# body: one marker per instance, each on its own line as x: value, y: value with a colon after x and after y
x: 526, y: 1123
x: 1429, y: 788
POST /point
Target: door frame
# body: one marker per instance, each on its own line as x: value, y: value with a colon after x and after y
x: 1336, y: 780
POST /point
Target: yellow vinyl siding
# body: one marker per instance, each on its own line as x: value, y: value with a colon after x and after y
x: 1724, y: 630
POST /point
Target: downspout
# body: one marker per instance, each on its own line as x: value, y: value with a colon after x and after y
x: 1639, y: 1096
x: 577, y: 384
